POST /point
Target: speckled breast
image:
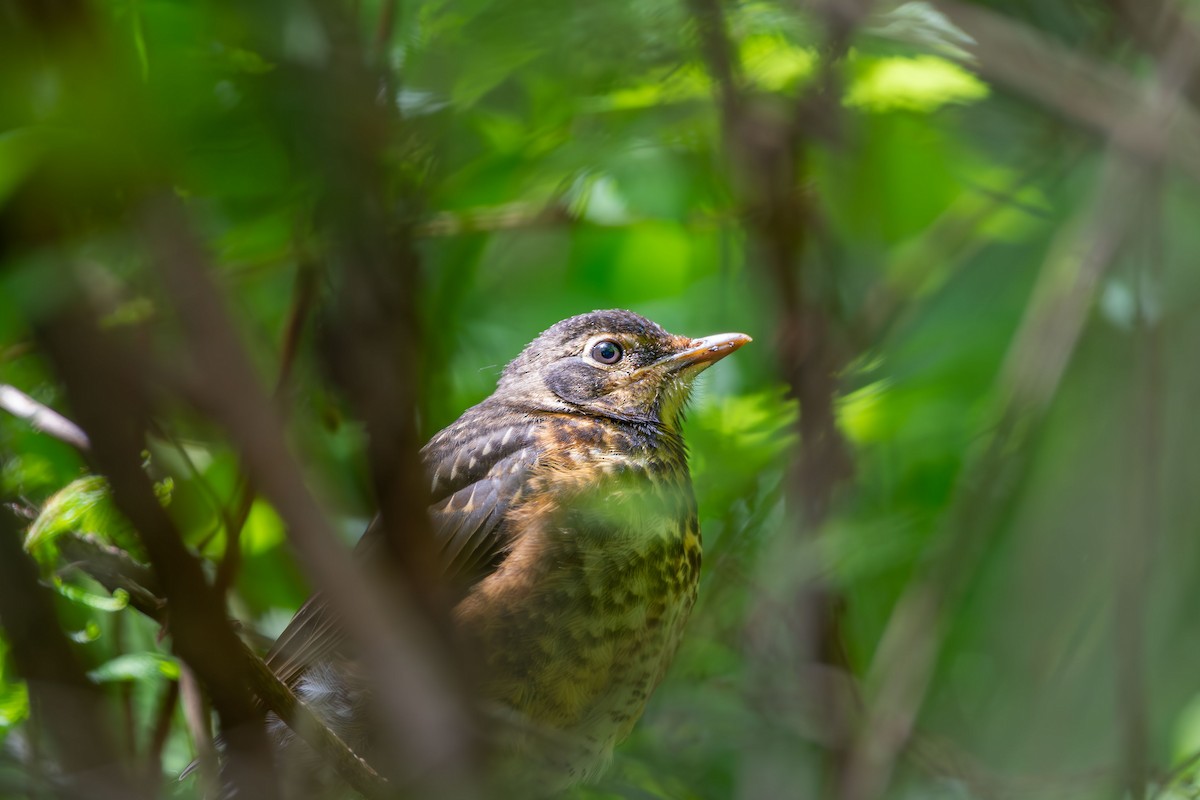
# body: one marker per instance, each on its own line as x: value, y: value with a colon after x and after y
x: 580, y: 621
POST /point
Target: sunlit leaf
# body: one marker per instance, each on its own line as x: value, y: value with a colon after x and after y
x: 85, y: 503
x: 136, y: 667
x: 117, y: 601
x: 923, y: 83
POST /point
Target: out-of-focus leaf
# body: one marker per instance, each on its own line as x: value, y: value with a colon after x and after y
x: 89, y: 633
x: 263, y: 530
x: 136, y: 667
x: 776, y: 64
x: 14, y: 704
x: 923, y: 83
x: 117, y: 601
x: 1186, y: 740
x: 84, y: 504
x: 922, y: 24
x: 14, y: 696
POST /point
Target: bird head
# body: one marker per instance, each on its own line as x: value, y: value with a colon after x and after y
x: 613, y: 364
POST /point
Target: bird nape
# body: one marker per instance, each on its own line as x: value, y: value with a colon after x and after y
x: 563, y: 508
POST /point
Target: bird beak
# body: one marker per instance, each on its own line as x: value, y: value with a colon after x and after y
x: 710, y: 349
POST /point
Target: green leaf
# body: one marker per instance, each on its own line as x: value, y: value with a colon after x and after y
x: 117, y: 601
x: 90, y: 633
x: 263, y: 530
x: 81, y: 502
x: 86, y: 506
x: 136, y: 667
x: 923, y: 84
x: 14, y: 696
x: 14, y: 703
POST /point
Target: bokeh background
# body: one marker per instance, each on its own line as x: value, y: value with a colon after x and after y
x: 948, y: 496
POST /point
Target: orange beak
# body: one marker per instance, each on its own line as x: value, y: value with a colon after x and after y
x: 710, y: 349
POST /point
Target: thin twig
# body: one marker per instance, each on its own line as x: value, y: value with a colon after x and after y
x: 42, y: 417
x: 383, y: 31
x: 196, y: 718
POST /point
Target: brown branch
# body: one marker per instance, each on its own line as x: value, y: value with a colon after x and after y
x: 383, y: 31
x: 115, y: 570
x: 107, y: 393
x: 373, y: 350
x: 767, y: 151
x: 1156, y: 26
x: 196, y: 715
x: 423, y: 710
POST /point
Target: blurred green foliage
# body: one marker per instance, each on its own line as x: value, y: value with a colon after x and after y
x: 565, y: 157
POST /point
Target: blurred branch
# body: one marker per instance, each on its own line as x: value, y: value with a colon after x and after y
x: 383, y: 31
x: 42, y: 418
x: 905, y: 659
x: 393, y: 636
x: 303, y: 298
x: 767, y: 150
x: 107, y: 392
x: 114, y: 569
x: 1078, y: 89
x: 69, y: 706
x: 372, y: 343
x: 1138, y: 539
x: 373, y: 349
x: 197, y: 715
x: 1156, y: 26
x: 512, y: 216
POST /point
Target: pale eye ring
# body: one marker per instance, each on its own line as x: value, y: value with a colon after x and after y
x: 607, y: 352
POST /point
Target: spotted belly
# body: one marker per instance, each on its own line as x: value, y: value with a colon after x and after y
x: 575, y: 630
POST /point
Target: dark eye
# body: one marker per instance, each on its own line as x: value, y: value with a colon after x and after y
x: 607, y: 352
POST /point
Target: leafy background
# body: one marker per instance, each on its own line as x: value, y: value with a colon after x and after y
x: 1003, y: 259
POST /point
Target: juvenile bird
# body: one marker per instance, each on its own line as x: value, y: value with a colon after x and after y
x: 563, y: 507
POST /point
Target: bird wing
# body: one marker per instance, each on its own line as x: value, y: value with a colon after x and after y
x: 477, y: 468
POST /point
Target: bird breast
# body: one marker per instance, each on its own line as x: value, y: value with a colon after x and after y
x: 578, y: 623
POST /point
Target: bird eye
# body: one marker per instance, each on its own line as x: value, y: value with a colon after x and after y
x: 607, y: 352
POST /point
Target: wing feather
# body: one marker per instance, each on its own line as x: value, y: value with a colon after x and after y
x: 476, y: 468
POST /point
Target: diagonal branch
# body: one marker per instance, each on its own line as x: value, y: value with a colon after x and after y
x: 1082, y: 91
x: 107, y: 392
x: 42, y: 418
x: 394, y: 638
x: 906, y: 657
